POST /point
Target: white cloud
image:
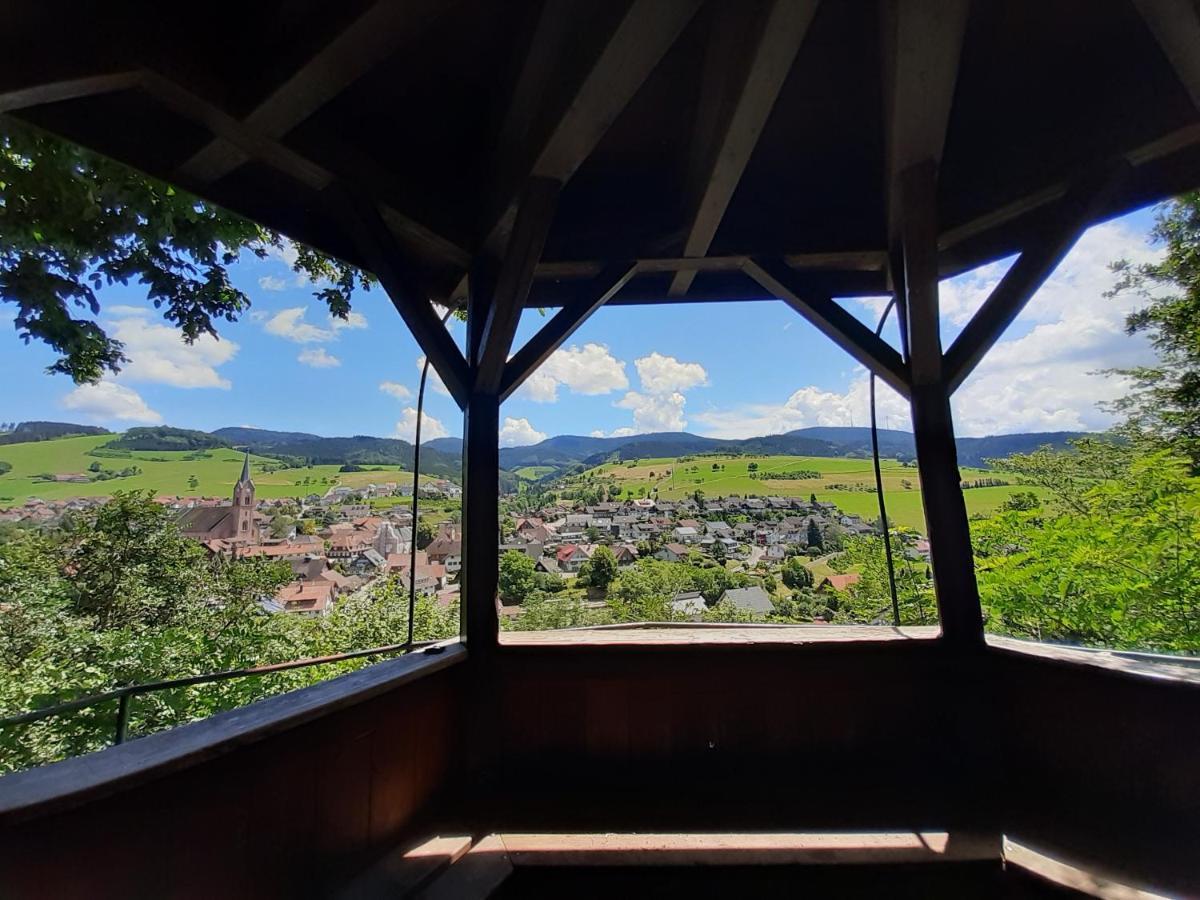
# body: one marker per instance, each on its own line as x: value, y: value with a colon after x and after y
x: 289, y: 324
x: 664, y: 374
x: 434, y: 380
x: 317, y: 358
x: 108, y: 401
x: 623, y: 432
x: 157, y: 353
x: 589, y: 370
x: 807, y: 407
x: 272, y: 283
x: 519, y: 433
x: 353, y: 320
x: 654, y: 412
x: 599, y: 432
x: 119, y: 310
x: 430, y: 427
x: 395, y: 389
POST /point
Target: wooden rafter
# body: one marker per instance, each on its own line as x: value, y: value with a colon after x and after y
x: 781, y: 32
x: 385, y: 258
x: 366, y: 42
x: 922, y: 41
x: 643, y: 36
x: 559, y: 329
x: 68, y: 89
x: 848, y: 261
x: 1072, y: 215
x: 1175, y: 24
x: 512, y: 282
x: 834, y: 322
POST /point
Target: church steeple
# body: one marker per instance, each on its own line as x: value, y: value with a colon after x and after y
x: 243, y: 501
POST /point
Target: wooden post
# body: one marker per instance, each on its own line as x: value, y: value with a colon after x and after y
x: 478, y: 622
x: 933, y: 427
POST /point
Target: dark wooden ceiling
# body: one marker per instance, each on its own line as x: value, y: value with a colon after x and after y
x: 708, y: 129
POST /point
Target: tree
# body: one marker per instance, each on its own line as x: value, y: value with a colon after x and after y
x: 518, y: 576
x: 1164, y: 402
x: 75, y: 221
x: 94, y: 467
x: 425, y: 534
x: 603, y: 568
x: 814, y: 535
x: 795, y: 574
x: 753, y: 467
x: 812, y: 499
x: 193, y: 482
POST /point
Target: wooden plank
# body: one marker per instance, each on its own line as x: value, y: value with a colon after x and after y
x: 406, y: 869
x: 559, y: 329
x: 69, y: 89
x: 1175, y: 24
x: 1073, y: 214
x: 475, y: 876
x: 922, y: 41
x: 386, y: 260
x: 515, y: 277
x: 835, y: 323
x: 371, y: 38
x: 951, y: 557
x: 643, y: 36
x: 781, y: 33
x: 834, y: 261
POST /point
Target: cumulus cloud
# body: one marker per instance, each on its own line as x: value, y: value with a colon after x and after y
x: 519, y: 433
x: 665, y: 374
x: 654, y: 412
x: 272, y: 283
x: 158, y: 354
x: 589, y: 370
x: 353, y: 320
x: 107, y: 401
x: 430, y: 427
x: 290, y: 325
x: 395, y: 389
x: 317, y: 358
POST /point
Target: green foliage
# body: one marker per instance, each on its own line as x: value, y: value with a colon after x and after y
x: 73, y: 221
x: 795, y: 574
x: 517, y: 576
x: 1111, y: 562
x: 1164, y: 402
x: 815, y: 538
x: 5, y: 467
x: 118, y: 597
x: 602, y: 568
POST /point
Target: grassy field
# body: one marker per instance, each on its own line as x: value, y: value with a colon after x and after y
x: 840, y: 482
x: 164, y: 472
x: 533, y: 473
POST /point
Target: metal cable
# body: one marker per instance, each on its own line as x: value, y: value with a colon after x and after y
x: 883, y: 520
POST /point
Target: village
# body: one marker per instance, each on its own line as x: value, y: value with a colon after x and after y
x: 349, y: 539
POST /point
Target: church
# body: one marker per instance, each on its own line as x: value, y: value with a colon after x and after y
x: 229, y: 523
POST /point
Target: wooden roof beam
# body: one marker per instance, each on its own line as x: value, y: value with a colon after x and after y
x: 15, y: 99
x: 364, y: 44
x: 512, y: 282
x: 1070, y: 218
x: 559, y: 329
x: 1175, y: 24
x: 780, y: 34
x: 385, y: 258
x: 643, y: 36
x: 834, y: 322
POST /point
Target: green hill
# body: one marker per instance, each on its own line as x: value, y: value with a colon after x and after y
x: 162, y: 471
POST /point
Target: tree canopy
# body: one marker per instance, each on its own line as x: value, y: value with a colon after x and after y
x: 72, y: 221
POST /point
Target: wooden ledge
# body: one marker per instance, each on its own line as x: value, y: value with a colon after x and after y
x: 747, y: 848
x: 1160, y: 667
x: 72, y: 782
x: 668, y: 633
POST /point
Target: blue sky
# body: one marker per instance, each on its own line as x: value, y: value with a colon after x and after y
x: 727, y: 370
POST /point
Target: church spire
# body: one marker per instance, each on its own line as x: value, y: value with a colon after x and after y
x: 245, y: 479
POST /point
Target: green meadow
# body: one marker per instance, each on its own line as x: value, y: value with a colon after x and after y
x: 841, y: 480
x: 167, y: 473
x: 533, y: 473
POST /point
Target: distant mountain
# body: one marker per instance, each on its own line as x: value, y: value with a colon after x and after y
x: 245, y: 435
x: 163, y: 437
x: 27, y: 432
x: 451, y: 445
x: 565, y: 451
x: 362, y: 450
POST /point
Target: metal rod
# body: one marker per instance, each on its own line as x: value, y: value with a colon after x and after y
x: 883, y: 520
x: 150, y: 687
x: 412, y: 554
